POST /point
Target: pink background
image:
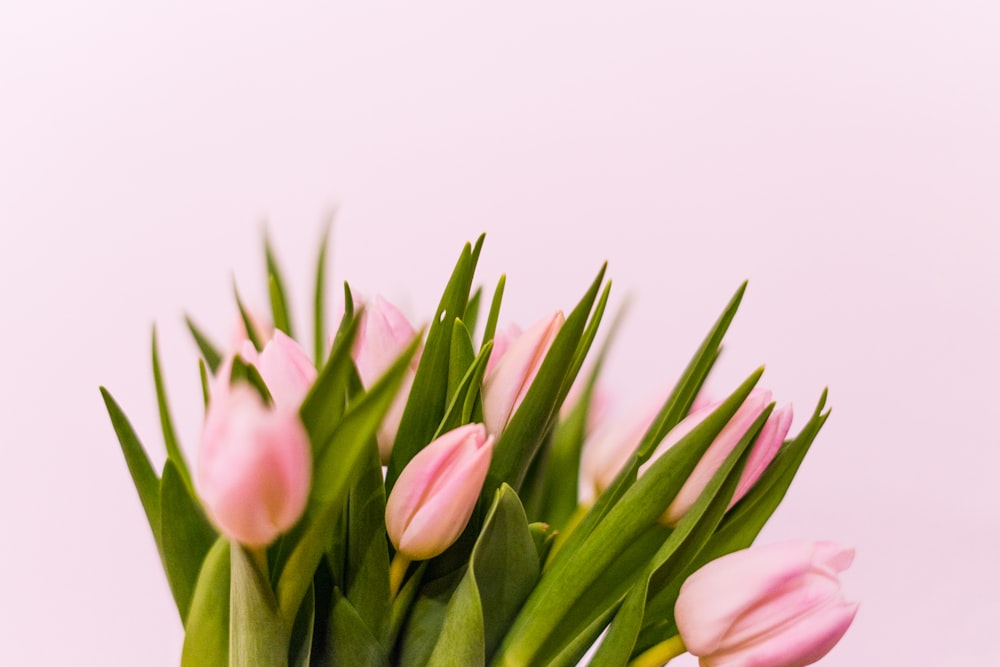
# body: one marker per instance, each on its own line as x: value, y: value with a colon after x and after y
x: 845, y: 157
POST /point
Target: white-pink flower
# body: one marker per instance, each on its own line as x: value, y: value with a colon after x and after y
x: 254, y: 466
x: 508, y: 381
x: 435, y: 494
x: 775, y: 606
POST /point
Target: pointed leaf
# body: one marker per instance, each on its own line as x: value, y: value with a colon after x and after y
x: 209, y: 351
x: 257, y: 633
x: 252, y: 334
x: 147, y: 484
x: 276, y: 290
x: 186, y: 537
x: 319, y: 299
x: 206, y: 633
x: 166, y: 423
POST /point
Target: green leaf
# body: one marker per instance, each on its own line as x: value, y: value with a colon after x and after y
x: 147, y: 484
x: 300, y: 644
x: 185, y: 535
x: 502, y: 571
x: 366, y: 579
x: 319, y: 314
x: 242, y: 371
x: 203, y: 374
x: 428, y: 398
x: 574, y: 571
x: 471, y: 315
x: 462, y: 356
x: 426, y: 618
x: 491, y: 321
x: 276, y: 290
x: 208, y: 349
x: 349, y: 641
x: 676, y: 407
x: 738, y: 529
x: 523, y: 436
x: 257, y: 633
x: 334, y: 470
x: 252, y: 334
x: 324, y: 405
x: 206, y: 632
x: 678, y: 550
x: 466, y: 395
x: 166, y: 423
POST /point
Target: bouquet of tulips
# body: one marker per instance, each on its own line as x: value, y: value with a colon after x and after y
x: 453, y: 496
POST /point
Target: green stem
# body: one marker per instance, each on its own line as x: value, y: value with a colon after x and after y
x: 397, y: 570
x: 660, y: 654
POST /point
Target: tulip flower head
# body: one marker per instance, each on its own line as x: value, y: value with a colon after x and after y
x: 773, y: 606
x: 436, y: 492
x: 383, y: 334
x: 254, y: 466
x: 508, y: 381
x: 764, y: 450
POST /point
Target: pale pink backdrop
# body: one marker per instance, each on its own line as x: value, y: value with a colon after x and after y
x: 845, y: 157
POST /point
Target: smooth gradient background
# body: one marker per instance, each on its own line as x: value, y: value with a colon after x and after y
x: 844, y: 157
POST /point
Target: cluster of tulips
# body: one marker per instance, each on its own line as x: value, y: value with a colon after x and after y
x: 404, y: 498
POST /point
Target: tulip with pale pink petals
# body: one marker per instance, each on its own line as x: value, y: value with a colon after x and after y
x: 283, y: 365
x: 436, y: 492
x: 383, y: 334
x: 254, y: 466
x: 773, y: 606
x: 764, y: 450
x: 508, y: 381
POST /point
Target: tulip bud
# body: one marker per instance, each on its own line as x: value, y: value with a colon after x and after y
x: 608, y: 450
x: 435, y: 494
x: 501, y: 343
x: 383, y: 334
x: 773, y: 606
x: 764, y: 449
x: 508, y: 382
x: 254, y: 466
x: 286, y: 370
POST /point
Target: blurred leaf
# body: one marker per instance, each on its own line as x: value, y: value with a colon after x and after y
x: 300, y: 645
x: 428, y: 398
x: 147, y: 484
x: 257, y: 633
x: 166, y: 423
x: 252, y: 334
x: 542, y: 534
x: 276, y: 290
x: 203, y: 374
x: 206, y: 632
x: 208, y: 350
x: 185, y: 534
x: 245, y: 372
x: 319, y: 299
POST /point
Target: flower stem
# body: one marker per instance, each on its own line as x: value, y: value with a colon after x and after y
x: 259, y: 556
x: 660, y: 654
x: 397, y: 570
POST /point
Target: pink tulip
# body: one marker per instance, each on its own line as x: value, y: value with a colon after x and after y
x: 261, y: 326
x: 508, y: 382
x: 254, y: 466
x: 437, y: 491
x: 764, y: 449
x: 608, y: 450
x: 773, y: 606
x: 286, y: 370
x: 501, y: 343
x: 383, y: 334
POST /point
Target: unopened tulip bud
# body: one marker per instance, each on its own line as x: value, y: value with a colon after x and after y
x: 502, y: 341
x: 286, y: 370
x: 383, y: 334
x: 764, y: 449
x: 254, y: 466
x: 435, y: 494
x: 508, y: 382
x: 773, y: 606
